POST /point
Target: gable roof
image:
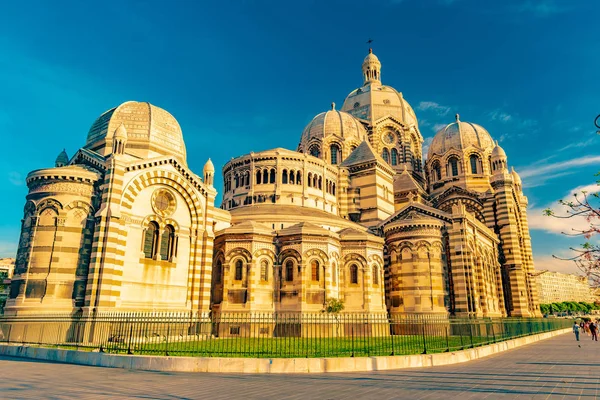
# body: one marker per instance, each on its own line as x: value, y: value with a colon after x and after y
x: 416, y: 208
x: 365, y: 154
x: 404, y: 182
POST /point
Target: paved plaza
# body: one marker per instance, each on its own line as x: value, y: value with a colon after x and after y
x: 551, y: 369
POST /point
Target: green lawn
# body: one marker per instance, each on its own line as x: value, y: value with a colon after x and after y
x: 303, y: 347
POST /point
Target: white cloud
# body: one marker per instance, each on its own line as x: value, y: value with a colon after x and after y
x: 543, y: 180
x: 576, y: 145
x: 434, y: 107
x: 426, y: 144
x: 537, y: 169
x: 542, y: 262
x: 498, y: 115
x: 437, y: 127
x: 16, y: 178
x: 537, y: 219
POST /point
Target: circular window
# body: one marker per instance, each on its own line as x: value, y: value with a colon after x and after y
x: 389, y: 138
x: 163, y: 202
x: 356, y: 105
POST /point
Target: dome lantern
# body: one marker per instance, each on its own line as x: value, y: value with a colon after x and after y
x: 371, y: 68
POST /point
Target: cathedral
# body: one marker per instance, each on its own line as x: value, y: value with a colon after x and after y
x: 356, y: 213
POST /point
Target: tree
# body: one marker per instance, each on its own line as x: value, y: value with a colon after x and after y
x: 583, y: 205
x: 333, y: 306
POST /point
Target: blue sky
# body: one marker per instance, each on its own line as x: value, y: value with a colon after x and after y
x: 244, y: 76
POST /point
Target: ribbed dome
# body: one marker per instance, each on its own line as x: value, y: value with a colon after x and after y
x: 375, y: 101
x: 333, y: 123
x: 460, y: 135
x: 151, y: 131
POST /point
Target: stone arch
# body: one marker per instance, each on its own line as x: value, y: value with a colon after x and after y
x: 192, y: 197
x: 316, y: 253
x: 236, y: 253
x: 289, y: 253
x: 49, y: 203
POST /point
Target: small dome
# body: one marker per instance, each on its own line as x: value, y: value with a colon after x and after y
x: 209, y: 166
x: 516, y: 177
x: 62, y: 159
x: 333, y: 123
x: 459, y: 135
x: 151, y: 131
x: 371, y: 58
x: 498, y: 151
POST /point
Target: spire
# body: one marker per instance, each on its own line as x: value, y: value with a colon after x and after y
x: 457, y: 117
x: 209, y: 172
x: 371, y: 68
x: 120, y: 140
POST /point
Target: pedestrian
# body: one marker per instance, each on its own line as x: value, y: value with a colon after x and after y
x: 576, y: 331
x: 586, y: 328
x: 594, y: 330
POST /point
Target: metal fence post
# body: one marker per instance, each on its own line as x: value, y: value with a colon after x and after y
x: 424, y: 341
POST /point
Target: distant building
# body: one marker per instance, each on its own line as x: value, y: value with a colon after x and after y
x: 556, y: 287
x: 7, y: 266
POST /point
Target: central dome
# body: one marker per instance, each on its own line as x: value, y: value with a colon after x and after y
x: 333, y: 123
x: 459, y: 135
x: 151, y: 131
x: 373, y: 100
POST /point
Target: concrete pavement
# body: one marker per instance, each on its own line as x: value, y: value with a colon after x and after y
x: 551, y: 369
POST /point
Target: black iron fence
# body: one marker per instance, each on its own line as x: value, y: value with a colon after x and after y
x: 266, y: 335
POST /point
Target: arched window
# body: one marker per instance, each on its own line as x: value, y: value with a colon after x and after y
x: 334, y: 149
x: 333, y: 189
x: 474, y: 161
x: 310, y: 179
x: 453, y: 162
x: 299, y: 178
x: 437, y: 171
x: 394, y: 157
x: 314, y: 151
x: 289, y: 271
x: 271, y: 178
x: 167, y: 242
x: 247, y: 178
x: 150, y: 240
x: 284, y: 176
x: 320, y: 182
x: 258, y: 177
x: 237, y: 181
x: 386, y: 155
x: 264, y: 271
x: 315, y: 181
x: 314, y: 267
x: 292, y: 176
x: 354, y: 274
x: 375, y: 275
x: 239, y: 268
x: 219, y: 271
